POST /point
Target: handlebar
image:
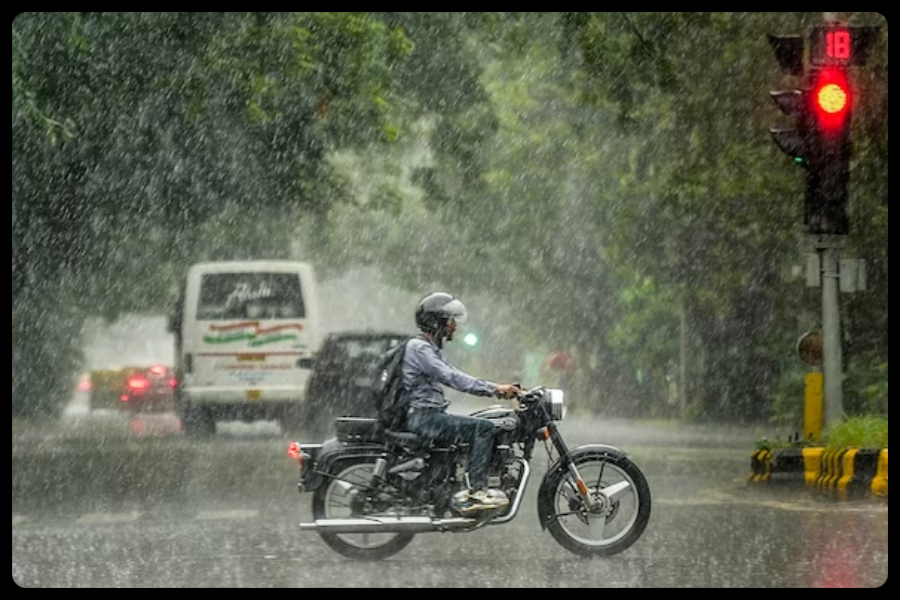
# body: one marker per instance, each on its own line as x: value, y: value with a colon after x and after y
x: 533, y: 394
x: 525, y: 395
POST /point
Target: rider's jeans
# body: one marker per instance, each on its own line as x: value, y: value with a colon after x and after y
x: 449, y: 428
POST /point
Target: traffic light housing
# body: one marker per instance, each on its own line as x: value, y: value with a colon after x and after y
x: 795, y: 140
x: 820, y: 111
x: 827, y: 206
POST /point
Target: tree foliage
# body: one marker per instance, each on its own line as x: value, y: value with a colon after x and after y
x: 606, y: 178
x: 133, y: 131
x: 633, y: 196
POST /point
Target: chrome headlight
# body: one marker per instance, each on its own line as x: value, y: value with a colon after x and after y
x: 557, y: 404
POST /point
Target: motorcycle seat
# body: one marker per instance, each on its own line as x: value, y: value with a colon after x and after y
x: 404, y: 438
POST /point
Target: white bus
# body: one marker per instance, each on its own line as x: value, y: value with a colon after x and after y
x: 245, y: 336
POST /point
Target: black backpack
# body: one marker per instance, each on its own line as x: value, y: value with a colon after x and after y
x: 387, y: 394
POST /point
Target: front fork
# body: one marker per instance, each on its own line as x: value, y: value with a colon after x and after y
x: 566, y: 460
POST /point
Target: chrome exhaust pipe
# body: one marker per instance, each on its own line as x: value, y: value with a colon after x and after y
x: 387, y: 525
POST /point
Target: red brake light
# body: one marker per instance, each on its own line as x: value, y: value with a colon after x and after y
x: 138, y: 383
x: 173, y: 383
x: 294, y: 451
x: 158, y: 370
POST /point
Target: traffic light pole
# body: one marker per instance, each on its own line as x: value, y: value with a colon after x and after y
x: 819, y: 140
x: 828, y: 248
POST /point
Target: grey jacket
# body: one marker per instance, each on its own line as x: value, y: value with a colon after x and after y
x: 425, y: 371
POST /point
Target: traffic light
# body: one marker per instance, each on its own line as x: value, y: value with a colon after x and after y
x: 820, y: 110
x: 794, y: 102
x: 828, y: 176
x: 793, y: 141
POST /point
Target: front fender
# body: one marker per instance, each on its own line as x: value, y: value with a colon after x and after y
x: 560, y: 467
x: 333, y: 452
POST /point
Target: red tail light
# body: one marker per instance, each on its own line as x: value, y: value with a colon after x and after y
x: 173, y: 383
x: 158, y: 370
x: 294, y: 451
x: 138, y: 384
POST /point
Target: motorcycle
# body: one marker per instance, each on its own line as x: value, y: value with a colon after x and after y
x: 374, y: 489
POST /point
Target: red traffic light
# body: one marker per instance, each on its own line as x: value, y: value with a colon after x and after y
x: 831, y: 98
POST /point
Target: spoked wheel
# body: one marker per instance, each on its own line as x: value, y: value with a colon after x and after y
x: 620, y: 510
x: 348, y: 496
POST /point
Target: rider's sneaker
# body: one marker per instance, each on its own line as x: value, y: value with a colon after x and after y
x: 470, y: 501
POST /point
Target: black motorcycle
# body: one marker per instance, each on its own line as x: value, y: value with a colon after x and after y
x: 375, y: 489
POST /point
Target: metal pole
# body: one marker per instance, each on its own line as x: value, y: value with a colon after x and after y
x: 831, y: 334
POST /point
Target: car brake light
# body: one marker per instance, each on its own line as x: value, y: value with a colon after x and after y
x: 158, y: 370
x: 138, y: 383
x: 124, y: 397
x: 173, y: 383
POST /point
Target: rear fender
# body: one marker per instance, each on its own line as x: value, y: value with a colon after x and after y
x: 329, y: 457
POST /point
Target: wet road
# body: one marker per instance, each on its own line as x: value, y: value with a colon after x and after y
x: 102, y: 501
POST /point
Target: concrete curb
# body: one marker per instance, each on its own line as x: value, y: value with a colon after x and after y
x: 843, y: 474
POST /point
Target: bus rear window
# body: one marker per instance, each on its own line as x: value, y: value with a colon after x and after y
x: 237, y: 296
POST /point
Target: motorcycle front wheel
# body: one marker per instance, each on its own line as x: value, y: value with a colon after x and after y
x: 344, y: 497
x: 620, y: 510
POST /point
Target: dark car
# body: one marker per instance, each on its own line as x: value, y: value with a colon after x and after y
x: 150, y: 389
x: 343, y: 372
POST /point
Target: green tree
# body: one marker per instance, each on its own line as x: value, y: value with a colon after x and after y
x: 134, y: 131
x: 631, y: 196
x: 606, y: 180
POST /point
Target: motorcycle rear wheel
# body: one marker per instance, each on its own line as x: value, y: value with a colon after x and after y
x: 616, y: 522
x: 332, y: 500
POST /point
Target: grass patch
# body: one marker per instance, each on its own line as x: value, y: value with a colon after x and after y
x: 860, y: 432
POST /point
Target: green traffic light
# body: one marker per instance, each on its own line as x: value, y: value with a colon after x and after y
x: 471, y: 339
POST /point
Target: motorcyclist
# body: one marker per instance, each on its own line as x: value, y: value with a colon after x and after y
x: 424, y: 372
